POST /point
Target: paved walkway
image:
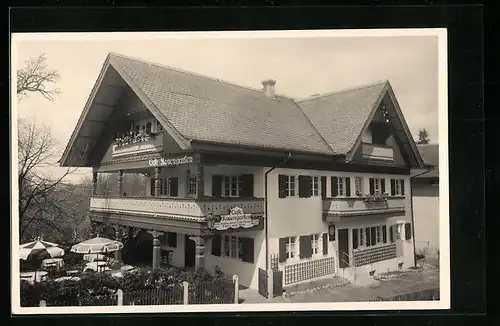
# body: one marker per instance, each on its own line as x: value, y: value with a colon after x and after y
x: 413, y: 281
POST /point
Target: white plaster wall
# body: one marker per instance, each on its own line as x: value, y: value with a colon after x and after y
x: 426, y: 215
x: 177, y: 253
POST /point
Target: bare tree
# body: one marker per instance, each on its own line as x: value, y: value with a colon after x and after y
x: 37, y: 77
x: 423, y: 137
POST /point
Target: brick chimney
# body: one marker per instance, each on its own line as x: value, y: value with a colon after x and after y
x: 269, y: 88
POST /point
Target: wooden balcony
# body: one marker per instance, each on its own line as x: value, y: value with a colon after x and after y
x: 188, y: 209
x: 143, y: 144
x: 357, y: 206
x: 377, y: 152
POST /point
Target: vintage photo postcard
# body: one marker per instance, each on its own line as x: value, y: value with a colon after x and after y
x: 230, y: 171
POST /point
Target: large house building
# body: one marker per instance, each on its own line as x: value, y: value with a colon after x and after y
x: 258, y: 184
x: 425, y: 196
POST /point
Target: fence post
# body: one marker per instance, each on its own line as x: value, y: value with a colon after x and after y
x: 119, y: 294
x: 43, y: 303
x: 236, y: 289
x: 185, y: 286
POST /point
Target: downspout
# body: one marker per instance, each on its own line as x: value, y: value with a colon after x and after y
x: 413, y: 216
x: 265, y: 205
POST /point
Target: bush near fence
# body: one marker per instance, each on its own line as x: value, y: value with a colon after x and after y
x: 170, y: 296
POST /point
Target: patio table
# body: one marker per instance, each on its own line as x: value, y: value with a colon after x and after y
x: 53, y: 262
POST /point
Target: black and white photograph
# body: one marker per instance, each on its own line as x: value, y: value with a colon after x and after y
x: 229, y: 171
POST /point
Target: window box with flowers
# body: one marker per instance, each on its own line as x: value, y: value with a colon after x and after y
x: 377, y: 197
x: 133, y: 138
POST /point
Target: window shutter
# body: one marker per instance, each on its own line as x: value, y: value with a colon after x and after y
x: 407, y: 231
x: 172, y: 239
x: 354, y: 238
x: 152, y: 187
x: 282, y: 185
x: 216, y: 245
x: 247, y: 185
x: 374, y: 236
x: 382, y: 184
x: 323, y: 187
x: 384, y: 233
x: 391, y: 233
x: 335, y: 182
x: 393, y: 187
x: 248, y: 254
x: 174, y: 187
x: 216, y: 186
x: 325, y: 243
x: 372, y: 186
x: 282, y: 249
x: 348, y: 187
x: 303, y: 186
x: 368, y: 239
x: 402, y: 187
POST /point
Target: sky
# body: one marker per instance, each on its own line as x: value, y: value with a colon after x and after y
x: 301, y: 64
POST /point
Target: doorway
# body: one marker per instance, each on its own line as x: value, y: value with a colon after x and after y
x: 189, y: 252
x: 343, y: 241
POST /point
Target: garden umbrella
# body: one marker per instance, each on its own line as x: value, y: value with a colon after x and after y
x: 39, y: 250
x: 97, y: 245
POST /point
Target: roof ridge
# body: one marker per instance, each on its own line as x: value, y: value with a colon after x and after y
x: 188, y: 72
x: 344, y: 90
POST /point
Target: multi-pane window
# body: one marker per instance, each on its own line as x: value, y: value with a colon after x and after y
x: 341, y: 186
x: 377, y: 234
x: 361, y: 237
x: 315, y: 243
x: 398, y: 187
x: 370, y: 236
x: 377, y: 184
x: 231, y: 186
x: 232, y: 247
x: 315, y: 186
x: 358, y: 186
x: 290, y: 185
x: 291, y: 247
x: 192, y: 185
x: 164, y: 187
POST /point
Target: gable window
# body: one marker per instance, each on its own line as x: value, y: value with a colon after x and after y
x: 192, y: 185
x: 231, y: 186
x: 341, y: 186
x: 315, y: 186
x: 358, y: 186
x: 397, y: 187
x: 315, y: 243
x: 377, y: 185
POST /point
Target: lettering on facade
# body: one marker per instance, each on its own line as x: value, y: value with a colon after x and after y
x: 234, y: 220
x: 171, y: 162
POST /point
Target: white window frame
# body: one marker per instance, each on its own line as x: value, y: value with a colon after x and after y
x: 358, y: 186
x: 377, y: 185
x: 164, y: 186
x: 230, y: 188
x: 342, y: 186
x: 291, y: 185
x: 316, y: 244
x: 194, y: 183
x: 291, y: 247
x: 315, y: 186
x: 231, y: 247
x: 362, y: 238
x: 398, y: 184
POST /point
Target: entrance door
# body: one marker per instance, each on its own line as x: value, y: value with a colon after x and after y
x: 343, y: 242
x: 189, y: 252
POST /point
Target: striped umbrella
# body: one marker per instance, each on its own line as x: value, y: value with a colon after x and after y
x: 97, y: 245
x: 39, y: 250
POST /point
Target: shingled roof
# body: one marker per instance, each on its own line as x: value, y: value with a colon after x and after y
x: 430, y: 155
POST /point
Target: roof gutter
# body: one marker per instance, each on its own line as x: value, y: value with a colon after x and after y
x: 289, y: 155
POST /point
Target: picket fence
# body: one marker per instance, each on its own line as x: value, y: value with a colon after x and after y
x: 212, y: 292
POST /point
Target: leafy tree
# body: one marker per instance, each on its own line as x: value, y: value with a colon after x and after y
x: 423, y: 137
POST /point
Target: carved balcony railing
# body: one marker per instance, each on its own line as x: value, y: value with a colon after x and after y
x: 359, y: 206
x: 130, y: 145
x: 377, y: 152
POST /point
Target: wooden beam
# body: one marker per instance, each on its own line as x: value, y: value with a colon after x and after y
x: 104, y: 104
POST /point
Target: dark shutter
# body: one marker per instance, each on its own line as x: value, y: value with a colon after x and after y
x: 368, y: 239
x: 216, y: 245
x: 382, y: 185
x: 323, y: 187
x: 335, y: 182
x: 282, y: 250
x: 348, y: 187
x: 354, y: 238
x: 248, y: 254
x: 384, y: 233
x: 374, y: 235
x: 282, y: 185
x: 402, y: 187
x: 305, y: 186
x: 407, y: 231
x: 305, y: 246
x: 247, y: 185
x: 172, y: 239
x: 152, y: 187
x: 372, y: 186
x: 325, y: 243
x: 216, y: 186
x: 391, y: 233
x: 174, y: 187
x: 393, y: 187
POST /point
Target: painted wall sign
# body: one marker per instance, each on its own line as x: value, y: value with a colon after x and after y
x: 171, y: 161
x: 235, y: 220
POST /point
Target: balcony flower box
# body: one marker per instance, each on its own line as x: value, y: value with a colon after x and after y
x: 133, y: 138
x: 377, y: 197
